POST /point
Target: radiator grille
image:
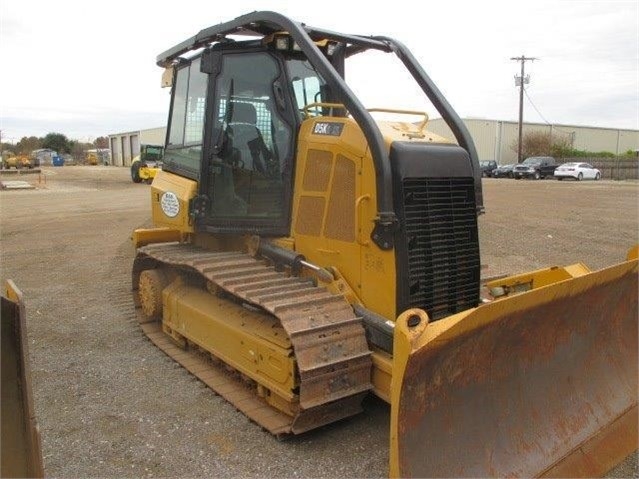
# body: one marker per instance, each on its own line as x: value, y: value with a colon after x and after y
x: 442, y: 245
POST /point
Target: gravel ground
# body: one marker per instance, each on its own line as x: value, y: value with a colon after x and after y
x: 110, y: 404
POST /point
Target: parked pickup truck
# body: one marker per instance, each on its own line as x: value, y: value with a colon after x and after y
x: 488, y: 167
x: 535, y: 167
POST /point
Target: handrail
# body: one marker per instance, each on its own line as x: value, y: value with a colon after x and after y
x: 321, y: 105
x: 420, y: 127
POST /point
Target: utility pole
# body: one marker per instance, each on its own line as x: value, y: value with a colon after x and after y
x: 519, y: 81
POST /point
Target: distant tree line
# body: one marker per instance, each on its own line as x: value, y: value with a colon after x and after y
x: 55, y: 141
x: 537, y: 143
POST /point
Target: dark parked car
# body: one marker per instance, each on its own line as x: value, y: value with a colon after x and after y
x: 487, y: 167
x: 535, y: 167
x: 503, y: 171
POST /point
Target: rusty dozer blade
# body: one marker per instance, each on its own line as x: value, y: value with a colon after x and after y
x: 542, y: 383
x: 21, y: 454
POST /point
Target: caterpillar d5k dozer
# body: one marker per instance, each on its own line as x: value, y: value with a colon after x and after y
x: 21, y: 453
x: 306, y: 255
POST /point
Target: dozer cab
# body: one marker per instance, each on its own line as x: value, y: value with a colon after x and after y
x: 306, y: 255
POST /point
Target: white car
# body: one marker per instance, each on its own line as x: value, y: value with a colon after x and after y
x: 578, y: 171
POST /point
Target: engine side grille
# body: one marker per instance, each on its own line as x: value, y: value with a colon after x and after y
x: 441, y: 242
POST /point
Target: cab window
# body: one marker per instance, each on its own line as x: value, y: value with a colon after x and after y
x: 308, y: 85
x: 249, y: 172
x: 184, y: 148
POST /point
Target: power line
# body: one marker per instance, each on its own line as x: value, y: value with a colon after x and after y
x: 543, y: 117
x: 535, y: 107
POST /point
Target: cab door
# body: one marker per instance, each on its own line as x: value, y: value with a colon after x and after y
x: 247, y: 169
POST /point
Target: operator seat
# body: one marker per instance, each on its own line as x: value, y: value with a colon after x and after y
x: 245, y: 138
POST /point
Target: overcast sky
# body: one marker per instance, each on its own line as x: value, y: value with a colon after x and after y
x: 87, y: 69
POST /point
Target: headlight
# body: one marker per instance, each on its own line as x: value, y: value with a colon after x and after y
x: 281, y: 43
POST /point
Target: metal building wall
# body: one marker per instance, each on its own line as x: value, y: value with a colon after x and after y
x: 135, y: 145
x: 628, y: 140
x: 484, y: 133
x: 116, y: 157
x: 125, y: 141
x: 485, y: 137
x: 596, y: 139
x: 498, y: 139
x: 439, y: 127
x: 120, y: 145
x: 153, y: 136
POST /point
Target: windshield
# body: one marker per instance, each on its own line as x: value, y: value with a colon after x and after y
x: 153, y: 154
x: 532, y: 161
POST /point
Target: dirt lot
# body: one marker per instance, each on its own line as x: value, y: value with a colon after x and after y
x: 109, y: 404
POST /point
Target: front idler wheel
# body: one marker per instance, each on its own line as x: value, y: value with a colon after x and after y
x: 150, y: 286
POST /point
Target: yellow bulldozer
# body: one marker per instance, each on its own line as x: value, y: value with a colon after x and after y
x: 18, y: 161
x: 97, y: 156
x: 305, y: 255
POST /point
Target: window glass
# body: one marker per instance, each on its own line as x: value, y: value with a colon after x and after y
x: 179, y: 102
x: 308, y: 85
x: 195, y: 104
x: 187, y: 121
x: 250, y: 171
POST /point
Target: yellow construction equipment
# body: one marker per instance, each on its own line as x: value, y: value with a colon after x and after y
x: 306, y: 255
x: 97, y: 156
x: 17, y: 161
x: 146, y: 165
x: 21, y: 452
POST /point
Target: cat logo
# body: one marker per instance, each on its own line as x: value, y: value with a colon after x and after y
x: 328, y: 128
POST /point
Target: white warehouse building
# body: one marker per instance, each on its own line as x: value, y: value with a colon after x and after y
x: 494, y: 139
x: 125, y: 146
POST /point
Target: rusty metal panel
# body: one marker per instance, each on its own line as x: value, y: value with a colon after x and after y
x: 21, y: 452
x: 536, y: 384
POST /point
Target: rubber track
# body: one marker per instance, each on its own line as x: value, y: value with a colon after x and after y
x: 328, y: 339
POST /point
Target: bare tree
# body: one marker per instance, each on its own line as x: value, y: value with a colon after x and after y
x: 27, y: 144
x: 78, y: 151
x: 101, y: 142
x: 539, y: 143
